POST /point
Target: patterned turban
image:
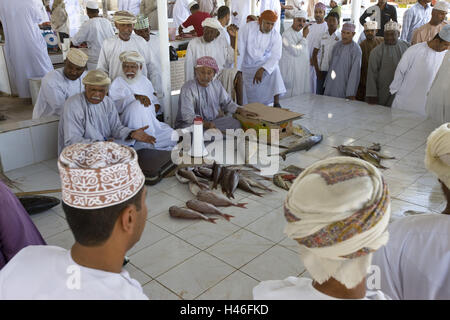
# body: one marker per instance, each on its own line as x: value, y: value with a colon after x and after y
x: 371, y: 25
x: 77, y: 57
x: 212, y: 23
x: 321, y: 6
x: 131, y: 56
x: 96, y: 78
x: 124, y: 17
x: 99, y: 175
x: 392, y: 26
x: 338, y: 210
x: 207, y: 62
x: 141, y: 22
x: 349, y: 27
x: 437, y: 158
x: 300, y: 14
x: 268, y: 15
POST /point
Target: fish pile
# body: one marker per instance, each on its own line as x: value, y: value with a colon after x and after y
x: 370, y: 154
x: 229, y: 178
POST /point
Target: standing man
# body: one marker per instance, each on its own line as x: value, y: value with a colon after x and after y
x: 323, y: 49
x: 240, y: 9
x: 272, y: 5
x: 195, y: 19
x: 126, y: 40
x: 382, y: 13
x: 93, y: 32
x: 284, y: 7
x: 416, y: 71
x: 370, y: 29
x: 142, y: 29
x: 103, y: 198
x: 428, y: 31
x: 181, y: 12
x: 316, y: 30
x: 383, y: 61
x: 208, y: 6
x: 294, y: 63
x: 129, y: 5
x: 438, y: 100
x: 414, y: 18
x: 60, y: 84
x: 149, y: 8
x: 224, y: 18
x: 260, y: 51
x: 25, y: 48
x: 345, y: 66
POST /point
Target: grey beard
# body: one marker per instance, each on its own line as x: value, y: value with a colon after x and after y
x: 134, y: 80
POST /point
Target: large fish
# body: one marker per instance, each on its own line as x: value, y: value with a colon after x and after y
x: 243, y: 184
x: 216, y: 199
x: 369, y: 154
x: 304, y: 144
x: 205, y: 172
x: 185, y: 213
x: 233, y: 181
x: 206, y: 208
x: 224, y: 181
x: 217, y: 174
x: 188, y: 174
x: 254, y: 183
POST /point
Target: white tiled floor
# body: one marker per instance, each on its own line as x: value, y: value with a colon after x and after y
x: 185, y: 259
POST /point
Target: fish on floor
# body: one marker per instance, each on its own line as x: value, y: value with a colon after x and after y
x: 217, y: 199
x: 305, y: 143
x: 206, y: 208
x: 177, y: 212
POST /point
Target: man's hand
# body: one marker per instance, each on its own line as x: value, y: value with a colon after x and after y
x: 372, y: 100
x: 286, y: 7
x: 141, y: 136
x: 157, y: 107
x: 258, y: 76
x: 305, y: 31
x: 208, y: 125
x: 232, y: 29
x: 246, y: 113
x: 143, y: 99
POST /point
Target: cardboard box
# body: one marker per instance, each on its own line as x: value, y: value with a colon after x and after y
x: 269, y: 118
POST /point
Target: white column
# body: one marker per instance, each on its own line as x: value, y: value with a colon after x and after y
x: 356, y: 8
x: 163, y: 28
x: 254, y: 8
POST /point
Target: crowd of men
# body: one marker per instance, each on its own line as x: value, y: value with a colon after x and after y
x: 113, y: 94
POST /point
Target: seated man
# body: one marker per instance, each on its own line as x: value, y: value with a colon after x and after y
x: 92, y: 116
x: 137, y: 104
x: 338, y: 211
x: 60, y: 84
x: 206, y: 97
x: 195, y: 19
x: 17, y: 230
x: 216, y: 46
x: 414, y: 264
x: 104, y: 202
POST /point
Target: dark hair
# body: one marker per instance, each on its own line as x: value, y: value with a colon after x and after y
x: 222, y: 12
x: 92, y: 11
x: 195, y: 7
x: 333, y: 14
x: 93, y: 227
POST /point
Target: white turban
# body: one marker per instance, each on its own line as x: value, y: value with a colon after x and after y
x: 437, y: 158
x: 131, y: 56
x: 77, y: 57
x: 371, y: 25
x: 212, y: 23
x: 338, y: 210
x: 97, y: 78
x: 300, y: 14
x: 442, y: 6
x: 392, y: 26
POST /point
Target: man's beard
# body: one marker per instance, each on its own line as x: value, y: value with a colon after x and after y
x: 132, y: 80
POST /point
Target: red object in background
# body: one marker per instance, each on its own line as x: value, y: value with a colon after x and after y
x: 198, y: 120
x: 196, y: 20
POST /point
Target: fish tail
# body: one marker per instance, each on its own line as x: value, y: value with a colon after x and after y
x: 227, y: 216
x: 212, y: 220
x: 241, y: 205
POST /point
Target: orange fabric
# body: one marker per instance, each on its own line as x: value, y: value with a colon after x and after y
x: 268, y: 15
